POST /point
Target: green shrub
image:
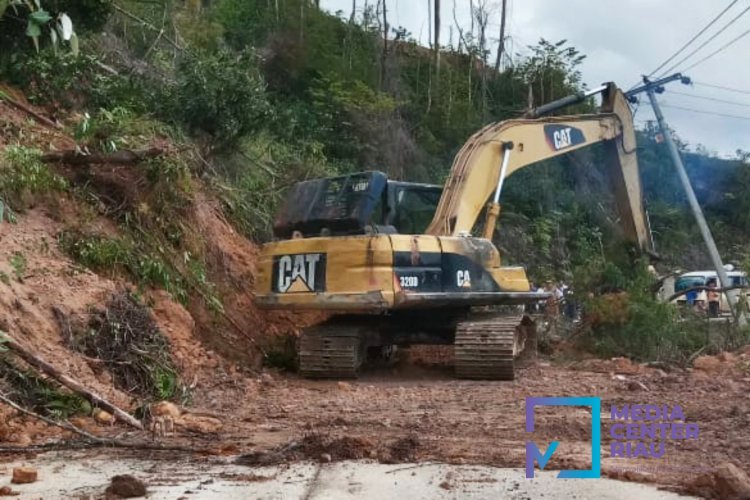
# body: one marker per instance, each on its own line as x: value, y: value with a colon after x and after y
x: 113, y: 255
x: 74, y: 82
x: 22, y: 174
x: 96, y: 252
x: 624, y: 318
x: 118, y: 128
x: 219, y: 95
x: 18, y: 264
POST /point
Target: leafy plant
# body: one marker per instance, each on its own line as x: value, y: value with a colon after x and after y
x: 40, y: 394
x: 22, y: 173
x: 221, y: 95
x: 624, y: 318
x: 113, y: 255
x: 18, y: 264
x: 118, y: 128
x: 59, y: 27
x: 6, y: 213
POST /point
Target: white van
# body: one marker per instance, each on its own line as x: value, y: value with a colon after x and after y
x: 701, y: 278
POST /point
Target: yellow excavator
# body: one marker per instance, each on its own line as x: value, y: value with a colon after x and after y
x: 397, y: 264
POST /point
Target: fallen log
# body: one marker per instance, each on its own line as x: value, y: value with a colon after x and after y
x: 41, y: 119
x: 70, y: 383
x: 123, y: 157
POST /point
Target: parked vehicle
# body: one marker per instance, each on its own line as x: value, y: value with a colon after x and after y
x: 698, y: 279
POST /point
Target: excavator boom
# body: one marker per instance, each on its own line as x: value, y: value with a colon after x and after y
x: 478, y: 169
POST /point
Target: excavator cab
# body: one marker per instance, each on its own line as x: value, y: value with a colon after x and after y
x: 356, y: 204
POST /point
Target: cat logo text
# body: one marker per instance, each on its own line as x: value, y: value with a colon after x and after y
x: 301, y: 273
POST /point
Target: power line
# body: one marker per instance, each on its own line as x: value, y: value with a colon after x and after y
x: 722, y: 48
x: 706, y: 98
x: 731, y: 4
x: 721, y: 87
x: 703, y: 112
x: 712, y: 38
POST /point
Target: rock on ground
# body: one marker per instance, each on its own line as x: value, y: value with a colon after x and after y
x: 126, y: 486
x: 24, y: 475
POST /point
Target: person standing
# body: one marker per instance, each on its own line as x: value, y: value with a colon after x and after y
x: 713, y: 297
x: 552, y: 307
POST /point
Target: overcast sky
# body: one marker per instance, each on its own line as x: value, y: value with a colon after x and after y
x: 624, y: 39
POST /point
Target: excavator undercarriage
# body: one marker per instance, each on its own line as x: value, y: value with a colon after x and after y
x: 485, y: 344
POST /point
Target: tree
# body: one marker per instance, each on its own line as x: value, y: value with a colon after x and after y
x: 552, y: 70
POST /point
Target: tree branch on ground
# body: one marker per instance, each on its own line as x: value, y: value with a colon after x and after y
x: 122, y: 157
x: 46, y: 368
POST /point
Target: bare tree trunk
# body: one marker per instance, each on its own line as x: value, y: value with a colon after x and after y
x: 437, y: 37
x: 429, y: 23
x: 530, y: 99
x: 450, y: 96
x: 350, y: 34
x: 461, y: 40
x: 429, y: 91
x: 471, y: 11
x: 384, y: 55
x: 501, y: 42
x: 301, y: 23
x: 482, y: 19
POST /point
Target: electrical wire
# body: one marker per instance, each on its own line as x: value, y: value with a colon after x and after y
x: 705, y: 28
x: 703, y: 112
x: 721, y: 87
x: 712, y: 38
x: 706, y: 98
x: 721, y: 49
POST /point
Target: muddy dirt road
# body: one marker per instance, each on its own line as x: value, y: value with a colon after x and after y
x: 410, y: 414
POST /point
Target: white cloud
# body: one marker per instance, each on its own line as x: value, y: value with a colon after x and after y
x: 624, y: 39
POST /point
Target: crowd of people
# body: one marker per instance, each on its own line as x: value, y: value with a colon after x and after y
x: 705, y: 301
x: 560, y: 301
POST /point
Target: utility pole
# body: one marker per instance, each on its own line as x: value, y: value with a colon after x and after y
x: 653, y: 88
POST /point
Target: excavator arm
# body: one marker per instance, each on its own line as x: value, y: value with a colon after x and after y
x: 500, y: 149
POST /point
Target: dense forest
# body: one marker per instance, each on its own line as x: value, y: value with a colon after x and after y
x: 266, y: 93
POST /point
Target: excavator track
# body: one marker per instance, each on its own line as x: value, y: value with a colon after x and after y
x: 331, y: 351
x: 485, y: 348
